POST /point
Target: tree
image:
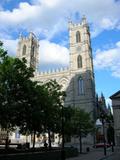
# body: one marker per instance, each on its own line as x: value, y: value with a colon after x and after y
x: 32, y: 117
x: 81, y: 124
x: 110, y: 135
x: 108, y: 119
x: 16, y: 92
x: 52, y: 108
x: 68, y: 121
x: 77, y: 122
x: 24, y: 103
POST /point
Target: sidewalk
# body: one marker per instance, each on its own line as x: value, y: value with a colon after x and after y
x: 94, y: 154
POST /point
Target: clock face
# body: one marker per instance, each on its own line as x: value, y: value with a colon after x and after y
x: 78, y: 49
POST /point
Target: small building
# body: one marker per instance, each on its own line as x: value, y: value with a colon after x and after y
x: 116, y: 115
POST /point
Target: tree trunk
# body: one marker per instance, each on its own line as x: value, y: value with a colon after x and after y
x: 7, y: 142
x: 26, y: 138
x: 34, y: 139
x: 80, y: 139
x: 49, y: 139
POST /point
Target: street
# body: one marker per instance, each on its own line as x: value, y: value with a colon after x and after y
x: 98, y: 154
x: 115, y: 156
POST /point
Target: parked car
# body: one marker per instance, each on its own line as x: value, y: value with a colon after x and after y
x: 99, y: 145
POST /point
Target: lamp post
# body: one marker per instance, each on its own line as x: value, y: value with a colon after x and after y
x: 110, y: 135
x: 103, y: 123
x: 62, y: 149
x: 7, y: 133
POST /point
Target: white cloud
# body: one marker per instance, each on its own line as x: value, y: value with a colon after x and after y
x: 49, y: 4
x: 51, y: 15
x: 51, y: 53
x: 109, y: 59
x: 118, y: 44
x: 19, y: 16
x: 107, y: 23
x: 10, y: 45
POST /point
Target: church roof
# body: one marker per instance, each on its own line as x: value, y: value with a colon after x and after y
x: 115, y: 95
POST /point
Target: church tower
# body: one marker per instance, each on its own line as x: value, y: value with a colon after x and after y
x: 28, y: 48
x: 80, y: 46
x: 81, y: 65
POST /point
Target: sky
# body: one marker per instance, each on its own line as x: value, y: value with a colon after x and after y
x: 48, y: 19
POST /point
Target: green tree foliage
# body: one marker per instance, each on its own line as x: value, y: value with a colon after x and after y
x: 20, y: 97
x: 77, y: 122
x: 68, y: 121
x: 82, y: 124
x: 32, y: 116
x: 82, y: 120
x: 52, y: 108
x: 14, y: 86
x: 24, y: 103
x: 110, y: 135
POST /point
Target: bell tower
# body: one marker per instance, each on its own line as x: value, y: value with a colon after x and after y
x: 80, y: 46
x: 81, y: 66
x: 28, y: 47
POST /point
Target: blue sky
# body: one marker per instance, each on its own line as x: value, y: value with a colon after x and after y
x: 48, y: 19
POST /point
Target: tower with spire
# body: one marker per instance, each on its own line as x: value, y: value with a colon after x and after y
x: 28, y: 48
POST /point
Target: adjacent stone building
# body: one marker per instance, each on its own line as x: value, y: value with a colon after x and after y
x: 116, y: 114
x: 78, y: 79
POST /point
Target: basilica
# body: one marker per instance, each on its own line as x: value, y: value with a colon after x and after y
x: 78, y: 79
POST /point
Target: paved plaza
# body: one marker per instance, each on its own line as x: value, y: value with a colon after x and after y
x: 98, y: 154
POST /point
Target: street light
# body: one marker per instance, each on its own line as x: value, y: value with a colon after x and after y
x: 102, y: 116
x: 62, y: 150
x: 7, y: 132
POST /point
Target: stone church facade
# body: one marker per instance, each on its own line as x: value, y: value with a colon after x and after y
x: 78, y: 79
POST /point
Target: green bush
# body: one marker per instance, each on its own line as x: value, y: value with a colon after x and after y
x: 38, y: 154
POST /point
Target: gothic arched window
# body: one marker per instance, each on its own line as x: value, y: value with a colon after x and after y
x: 24, y: 50
x: 80, y: 86
x: 78, y: 38
x: 79, y: 61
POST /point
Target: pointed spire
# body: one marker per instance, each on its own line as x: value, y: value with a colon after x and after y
x: 30, y: 35
x: 109, y: 106
x: 69, y: 23
x: 102, y: 96
x: 96, y: 95
x: 84, y: 20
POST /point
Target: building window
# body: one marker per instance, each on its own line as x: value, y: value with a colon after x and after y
x: 80, y: 86
x: 79, y: 61
x: 24, y: 50
x: 78, y: 38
